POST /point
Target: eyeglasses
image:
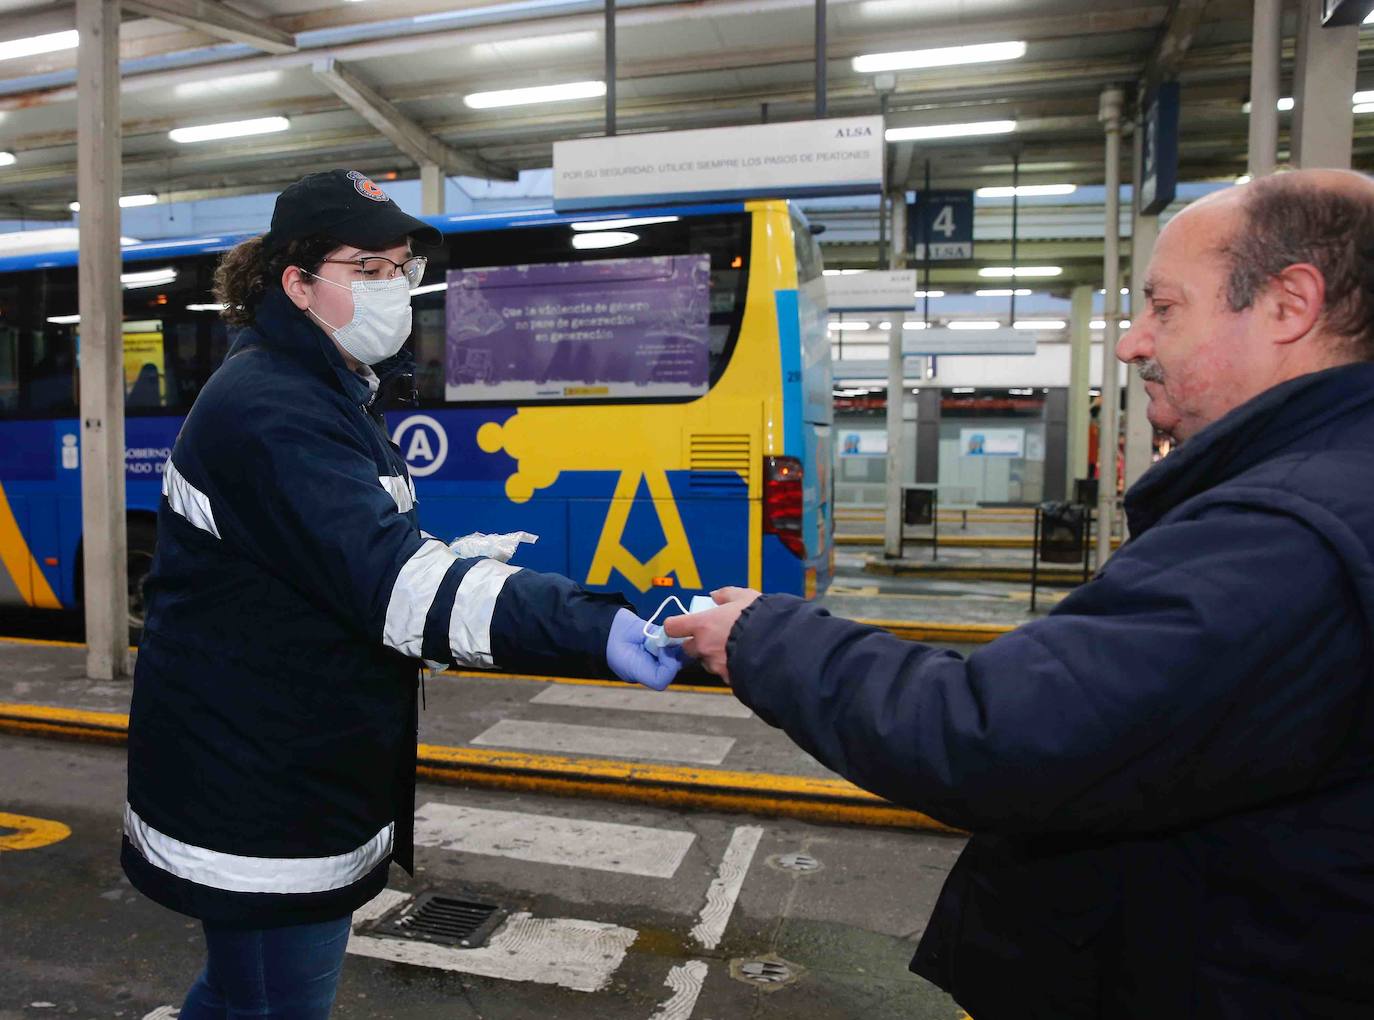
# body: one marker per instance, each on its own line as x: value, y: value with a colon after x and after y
x: 379, y: 267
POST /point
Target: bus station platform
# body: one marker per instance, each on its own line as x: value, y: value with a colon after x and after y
x: 693, y: 745
x: 651, y: 855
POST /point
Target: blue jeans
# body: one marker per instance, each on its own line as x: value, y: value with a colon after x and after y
x: 286, y: 973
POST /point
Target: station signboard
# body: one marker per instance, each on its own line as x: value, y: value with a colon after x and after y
x: 940, y: 226
x: 875, y: 290
x: 840, y: 156
x: 1159, y: 150
x: 940, y: 340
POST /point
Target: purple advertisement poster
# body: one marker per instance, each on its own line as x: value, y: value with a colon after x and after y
x: 614, y: 328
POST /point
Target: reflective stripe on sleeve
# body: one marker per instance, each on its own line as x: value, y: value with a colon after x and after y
x: 187, y: 500
x: 234, y: 873
x: 400, y: 491
x: 470, y: 627
x: 412, y: 595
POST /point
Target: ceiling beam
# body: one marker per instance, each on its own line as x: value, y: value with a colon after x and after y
x: 401, y: 130
x: 1171, y: 47
x: 217, y: 19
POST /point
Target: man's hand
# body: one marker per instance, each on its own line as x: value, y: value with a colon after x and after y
x: 707, y: 632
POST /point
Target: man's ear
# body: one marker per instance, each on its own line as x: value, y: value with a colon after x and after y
x: 1294, y: 302
x: 297, y: 286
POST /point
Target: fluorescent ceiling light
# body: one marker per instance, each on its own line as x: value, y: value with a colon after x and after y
x: 125, y: 202
x: 945, y: 56
x: 633, y: 221
x: 64, y: 320
x: 1027, y: 190
x: 1284, y: 104
x: 930, y: 293
x: 884, y: 325
x: 1368, y: 19
x: 36, y: 44
x: 1018, y: 272
x: 975, y: 324
x: 1002, y: 292
x: 1124, y: 290
x: 915, y: 325
x: 1362, y: 97
x: 607, y: 239
x: 1102, y: 323
x: 536, y: 94
x: 962, y: 389
x: 857, y: 327
x: 229, y: 129
x: 932, y: 131
x: 1243, y: 179
x: 428, y: 288
x: 205, y: 308
x: 842, y: 272
x: 1363, y: 108
x: 147, y: 278
x: 7, y: 159
x: 1034, y: 324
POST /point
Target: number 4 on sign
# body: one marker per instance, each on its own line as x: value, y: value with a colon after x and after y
x: 944, y: 222
x: 30, y: 833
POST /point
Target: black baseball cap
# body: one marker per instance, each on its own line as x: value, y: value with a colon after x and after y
x: 347, y: 206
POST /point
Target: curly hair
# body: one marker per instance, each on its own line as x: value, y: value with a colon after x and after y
x: 246, y: 273
x: 1287, y: 222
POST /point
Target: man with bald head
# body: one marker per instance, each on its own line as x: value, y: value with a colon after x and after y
x: 1170, y: 778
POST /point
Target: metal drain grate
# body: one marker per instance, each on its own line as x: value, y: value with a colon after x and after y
x: 463, y: 921
x: 795, y: 862
x: 767, y: 972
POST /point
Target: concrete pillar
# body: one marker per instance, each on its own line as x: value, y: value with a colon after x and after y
x: 1144, y: 230
x: 1111, y: 280
x: 1323, y: 82
x: 928, y: 435
x: 100, y: 302
x: 896, y: 461
x: 1055, y: 482
x: 432, y: 181
x: 1266, y: 41
x: 1080, y: 385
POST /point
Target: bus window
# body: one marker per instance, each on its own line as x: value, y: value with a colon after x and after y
x: 658, y: 265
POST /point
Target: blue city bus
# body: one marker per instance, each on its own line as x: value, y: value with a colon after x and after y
x: 687, y: 470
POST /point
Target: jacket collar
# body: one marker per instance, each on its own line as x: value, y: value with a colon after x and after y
x: 1256, y: 431
x: 282, y: 326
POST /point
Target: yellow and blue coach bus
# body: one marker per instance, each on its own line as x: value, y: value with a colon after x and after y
x: 649, y: 393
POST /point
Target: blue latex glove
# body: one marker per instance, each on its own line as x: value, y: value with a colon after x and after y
x: 630, y: 660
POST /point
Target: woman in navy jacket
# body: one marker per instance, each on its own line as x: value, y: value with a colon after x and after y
x: 293, y: 597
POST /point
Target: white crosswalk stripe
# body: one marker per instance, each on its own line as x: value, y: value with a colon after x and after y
x: 638, y: 699
x: 601, y: 741
x: 546, y: 839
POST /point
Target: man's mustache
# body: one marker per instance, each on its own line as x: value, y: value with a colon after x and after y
x: 1150, y: 371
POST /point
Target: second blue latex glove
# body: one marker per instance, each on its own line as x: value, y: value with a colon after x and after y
x: 630, y: 660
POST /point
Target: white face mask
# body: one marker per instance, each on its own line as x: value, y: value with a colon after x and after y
x: 381, y: 318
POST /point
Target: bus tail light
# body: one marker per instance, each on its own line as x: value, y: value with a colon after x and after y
x: 782, y: 502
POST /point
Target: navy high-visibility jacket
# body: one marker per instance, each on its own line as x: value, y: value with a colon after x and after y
x: 291, y: 602
x: 1170, y: 778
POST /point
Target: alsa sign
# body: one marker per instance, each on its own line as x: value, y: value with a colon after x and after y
x: 787, y: 160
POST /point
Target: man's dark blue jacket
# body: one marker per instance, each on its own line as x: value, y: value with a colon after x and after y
x: 1170, y: 779
x: 291, y: 601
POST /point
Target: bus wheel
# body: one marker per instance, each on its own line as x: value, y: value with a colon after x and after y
x: 142, y: 545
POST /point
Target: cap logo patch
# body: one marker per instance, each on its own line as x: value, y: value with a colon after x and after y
x: 365, y: 187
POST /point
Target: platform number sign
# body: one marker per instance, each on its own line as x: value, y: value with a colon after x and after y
x: 940, y: 226
x: 1159, y: 150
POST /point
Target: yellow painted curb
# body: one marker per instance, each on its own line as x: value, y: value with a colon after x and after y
x: 812, y: 799
x: 954, y: 633
x: 955, y: 541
